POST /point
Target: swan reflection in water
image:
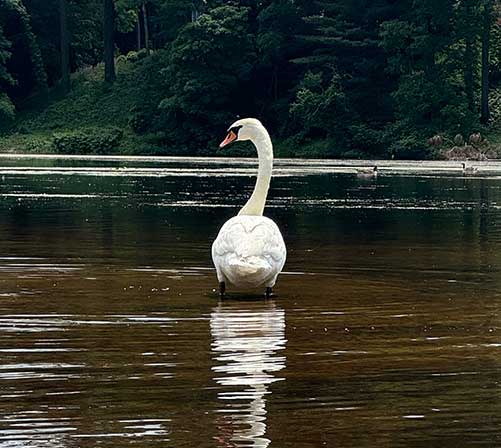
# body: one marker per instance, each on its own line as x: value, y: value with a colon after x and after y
x: 248, y: 339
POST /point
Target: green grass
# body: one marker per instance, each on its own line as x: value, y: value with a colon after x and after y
x: 91, y: 106
x: 90, y: 101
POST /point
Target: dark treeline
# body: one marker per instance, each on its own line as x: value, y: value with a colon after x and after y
x: 352, y: 78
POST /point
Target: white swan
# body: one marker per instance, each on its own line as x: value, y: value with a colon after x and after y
x: 249, y: 251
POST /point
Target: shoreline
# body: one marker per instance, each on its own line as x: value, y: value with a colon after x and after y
x: 324, y: 165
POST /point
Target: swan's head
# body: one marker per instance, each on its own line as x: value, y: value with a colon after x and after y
x: 244, y: 129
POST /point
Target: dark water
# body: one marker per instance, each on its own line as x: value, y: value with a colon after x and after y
x: 385, y: 330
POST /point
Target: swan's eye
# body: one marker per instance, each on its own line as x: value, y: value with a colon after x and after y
x: 236, y: 130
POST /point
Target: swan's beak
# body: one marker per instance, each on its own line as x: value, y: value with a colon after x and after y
x: 229, y: 138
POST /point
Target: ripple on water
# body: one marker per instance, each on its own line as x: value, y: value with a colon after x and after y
x: 246, y: 346
x: 385, y: 331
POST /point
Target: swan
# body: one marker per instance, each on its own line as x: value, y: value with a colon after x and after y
x: 468, y: 170
x: 367, y: 172
x: 249, y: 251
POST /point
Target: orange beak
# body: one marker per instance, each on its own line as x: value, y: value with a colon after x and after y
x: 229, y: 138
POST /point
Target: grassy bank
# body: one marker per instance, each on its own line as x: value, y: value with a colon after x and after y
x: 92, y: 118
x: 95, y: 118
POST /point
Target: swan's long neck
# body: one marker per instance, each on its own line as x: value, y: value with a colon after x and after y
x: 262, y: 142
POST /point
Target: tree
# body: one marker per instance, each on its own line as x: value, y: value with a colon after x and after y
x: 279, y: 22
x: 342, y: 39
x: 209, y: 71
x: 85, y: 21
x: 6, y: 107
x: 315, y: 106
x: 430, y: 95
x: 468, y: 25
x: 109, y: 42
x: 84, y: 31
x: 146, y: 27
x: 65, y: 45
x: 170, y: 16
x: 5, y: 76
x: 26, y: 63
x: 487, y: 16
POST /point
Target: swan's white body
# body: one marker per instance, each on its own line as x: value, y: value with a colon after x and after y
x: 249, y: 251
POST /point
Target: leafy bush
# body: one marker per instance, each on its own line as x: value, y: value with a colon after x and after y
x: 495, y: 102
x: 7, y: 111
x: 39, y: 144
x: 141, y: 118
x: 411, y: 147
x: 297, y: 146
x: 366, y: 140
x: 134, y: 56
x: 87, y: 141
x: 316, y: 104
x: 319, y: 149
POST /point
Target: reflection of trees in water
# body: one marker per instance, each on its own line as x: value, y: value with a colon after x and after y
x: 247, y: 340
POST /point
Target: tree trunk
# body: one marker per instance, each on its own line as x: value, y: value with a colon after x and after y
x: 65, y: 46
x: 195, y: 10
x: 486, y: 34
x: 275, y: 83
x: 469, y: 29
x: 109, y: 42
x: 146, y: 28
x: 468, y: 73
x: 138, y: 30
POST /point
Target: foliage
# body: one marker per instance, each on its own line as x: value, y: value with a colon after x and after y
x: 171, y: 16
x: 25, y: 64
x: 496, y: 107
x: 315, y: 105
x: 7, y: 111
x: 5, y: 76
x: 424, y: 53
x: 85, y: 27
x: 329, y: 78
x: 87, y: 141
x: 213, y: 55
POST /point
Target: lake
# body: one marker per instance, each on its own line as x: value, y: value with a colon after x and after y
x: 385, y: 329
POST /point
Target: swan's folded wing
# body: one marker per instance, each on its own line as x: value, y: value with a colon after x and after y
x: 247, y: 238
x: 228, y: 239
x: 276, y: 248
x: 271, y: 244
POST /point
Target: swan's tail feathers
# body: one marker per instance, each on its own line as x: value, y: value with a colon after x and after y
x: 250, y: 271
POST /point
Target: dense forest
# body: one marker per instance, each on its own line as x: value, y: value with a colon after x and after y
x: 329, y: 78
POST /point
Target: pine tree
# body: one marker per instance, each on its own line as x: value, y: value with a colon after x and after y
x: 422, y: 48
x: 343, y: 41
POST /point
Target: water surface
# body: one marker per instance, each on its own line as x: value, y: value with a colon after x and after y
x: 385, y: 328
